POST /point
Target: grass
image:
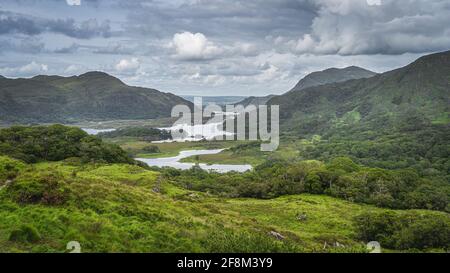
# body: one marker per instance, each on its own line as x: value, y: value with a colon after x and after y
x: 444, y: 118
x: 248, y: 155
x: 115, y: 208
x: 225, y: 157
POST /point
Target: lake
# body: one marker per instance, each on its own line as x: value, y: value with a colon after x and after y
x: 199, y: 132
x: 174, y: 162
x: 95, y: 132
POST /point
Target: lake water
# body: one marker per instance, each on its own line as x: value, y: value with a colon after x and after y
x: 174, y: 162
x: 95, y: 132
x: 207, y: 131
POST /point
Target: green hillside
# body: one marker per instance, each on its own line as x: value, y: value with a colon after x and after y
x: 125, y: 208
x: 397, y: 119
x: 91, y: 96
x: 422, y: 87
x: 74, y: 194
x: 332, y: 75
x: 255, y: 101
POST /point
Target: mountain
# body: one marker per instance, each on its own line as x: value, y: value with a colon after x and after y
x: 333, y: 75
x: 90, y: 96
x: 219, y: 100
x: 255, y: 101
x: 421, y: 88
x: 396, y: 120
x: 327, y: 76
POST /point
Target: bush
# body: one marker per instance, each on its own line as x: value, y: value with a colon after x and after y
x: 45, y: 188
x: 54, y: 143
x: 9, y: 168
x: 25, y: 234
x: 151, y: 149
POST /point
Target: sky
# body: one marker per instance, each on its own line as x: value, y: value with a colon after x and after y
x: 216, y: 47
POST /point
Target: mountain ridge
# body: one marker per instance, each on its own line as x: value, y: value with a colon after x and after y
x: 317, y: 78
x: 421, y: 87
x: 332, y: 75
x: 90, y: 96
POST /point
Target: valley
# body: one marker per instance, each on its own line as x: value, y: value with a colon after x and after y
x: 362, y: 157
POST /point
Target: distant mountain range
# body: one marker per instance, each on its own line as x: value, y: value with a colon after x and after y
x: 324, y: 98
x: 255, y: 101
x: 331, y: 75
x: 219, y: 100
x: 91, y: 96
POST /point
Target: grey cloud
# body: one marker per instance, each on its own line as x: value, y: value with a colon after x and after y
x: 73, y: 48
x: 15, y: 23
x: 353, y: 27
x: 27, y: 45
x: 227, y: 19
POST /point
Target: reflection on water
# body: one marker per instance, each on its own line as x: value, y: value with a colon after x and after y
x: 174, y: 162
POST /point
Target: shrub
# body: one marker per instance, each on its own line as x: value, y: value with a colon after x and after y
x: 55, y: 143
x: 45, y: 188
x: 9, y: 168
x: 151, y: 149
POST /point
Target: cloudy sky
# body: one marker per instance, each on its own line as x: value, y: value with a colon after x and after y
x: 216, y: 47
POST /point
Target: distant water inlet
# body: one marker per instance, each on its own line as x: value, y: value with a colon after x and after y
x: 174, y: 162
x: 95, y: 132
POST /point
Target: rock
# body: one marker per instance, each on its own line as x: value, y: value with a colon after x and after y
x: 337, y: 244
x: 302, y: 217
x: 193, y: 196
x: 277, y: 235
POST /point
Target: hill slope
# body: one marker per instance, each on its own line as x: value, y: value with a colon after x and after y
x: 398, y: 119
x: 421, y: 87
x: 255, y: 100
x: 91, y: 96
x: 333, y: 75
x: 112, y: 208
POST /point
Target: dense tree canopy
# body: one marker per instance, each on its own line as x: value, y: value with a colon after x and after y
x: 57, y: 142
x: 340, y: 177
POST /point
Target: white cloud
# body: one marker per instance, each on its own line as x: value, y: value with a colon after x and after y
x: 73, y: 2
x: 189, y: 46
x: 33, y: 68
x: 30, y: 69
x: 130, y: 65
x: 374, y: 2
x: 72, y: 69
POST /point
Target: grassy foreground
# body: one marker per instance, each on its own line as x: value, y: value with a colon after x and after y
x: 125, y: 208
